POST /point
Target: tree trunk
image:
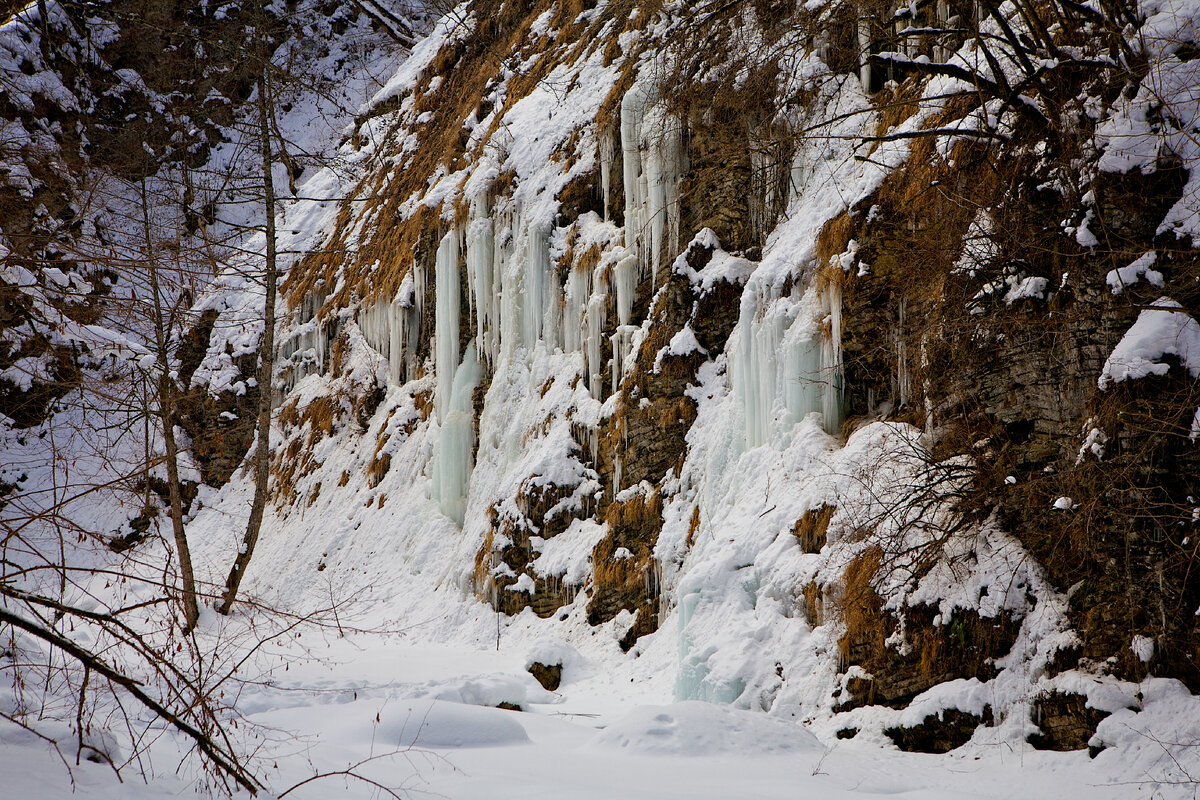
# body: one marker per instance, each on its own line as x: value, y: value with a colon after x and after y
x: 191, y: 612
x: 166, y: 412
x: 266, y: 360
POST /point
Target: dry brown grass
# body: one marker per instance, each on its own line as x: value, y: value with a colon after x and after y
x: 861, y: 608
x: 833, y: 238
x: 481, y: 576
x: 634, y: 525
x: 693, y: 527
x: 378, y: 469
x: 896, y: 104
x: 811, y: 530
x: 423, y: 402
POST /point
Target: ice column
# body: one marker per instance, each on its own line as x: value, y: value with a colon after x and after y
x: 831, y: 359
x: 652, y: 162
x: 864, y: 54
x: 538, y: 317
x: 446, y: 316
x: 597, y: 314
x: 456, y: 440
x: 481, y: 277
x: 575, y: 310
x: 607, y: 155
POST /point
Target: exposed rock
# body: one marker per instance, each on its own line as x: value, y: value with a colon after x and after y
x: 548, y: 675
x: 1065, y: 720
x: 941, y: 732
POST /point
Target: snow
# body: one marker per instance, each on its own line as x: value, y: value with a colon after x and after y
x: 1138, y: 269
x: 401, y: 663
x: 692, y: 728
x: 1161, y: 330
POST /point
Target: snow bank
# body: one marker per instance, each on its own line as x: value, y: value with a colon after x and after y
x: 1165, y: 329
x: 693, y: 728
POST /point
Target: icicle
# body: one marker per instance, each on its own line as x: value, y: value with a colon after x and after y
x: 480, y: 266
x: 652, y: 161
x: 537, y: 276
x: 508, y: 284
x: 446, y: 315
x: 607, y: 155
x: 456, y: 440
x: 383, y: 325
x: 831, y: 361
x: 575, y: 310
x: 625, y: 280
x: 633, y: 109
x: 621, y: 341
x: 598, y: 313
x: 397, y: 318
x: 864, y: 54
x: 903, y: 381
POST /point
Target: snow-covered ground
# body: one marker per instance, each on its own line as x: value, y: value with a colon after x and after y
x: 411, y: 714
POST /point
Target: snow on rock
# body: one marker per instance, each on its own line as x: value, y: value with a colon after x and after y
x: 569, y: 554
x: 692, y: 728
x: 1164, y: 329
x: 1138, y: 269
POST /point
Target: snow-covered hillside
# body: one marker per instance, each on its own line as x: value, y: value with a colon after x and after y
x: 833, y: 364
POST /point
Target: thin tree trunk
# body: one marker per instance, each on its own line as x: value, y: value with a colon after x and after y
x: 266, y: 360
x: 166, y: 412
x: 191, y: 612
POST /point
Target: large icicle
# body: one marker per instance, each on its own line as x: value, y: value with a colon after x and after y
x: 652, y: 160
x: 607, y: 156
x: 446, y: 315
x: 481, y: 276
x: 456, y: 440
x: 575, y: 310
x: 539, y: 312
x: 597, y: 313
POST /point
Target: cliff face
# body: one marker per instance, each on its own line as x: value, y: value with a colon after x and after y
x: 677, y: 322
x: 847, y: 351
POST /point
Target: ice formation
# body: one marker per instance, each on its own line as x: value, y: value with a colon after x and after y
x: 653, y: 161
x: 456, y: 440
x: 785, y: 359
x: 308, y: 344
x: 446, y: 315
x: 388, y: 325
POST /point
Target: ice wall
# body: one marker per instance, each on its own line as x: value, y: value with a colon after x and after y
x: 391, y: 328
x: 785, y: 359
x: 653, y: 161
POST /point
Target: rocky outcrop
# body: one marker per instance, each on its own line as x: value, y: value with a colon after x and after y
x: 1065, y: 722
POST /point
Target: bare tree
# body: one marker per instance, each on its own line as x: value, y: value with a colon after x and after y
x: 266, y: 353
